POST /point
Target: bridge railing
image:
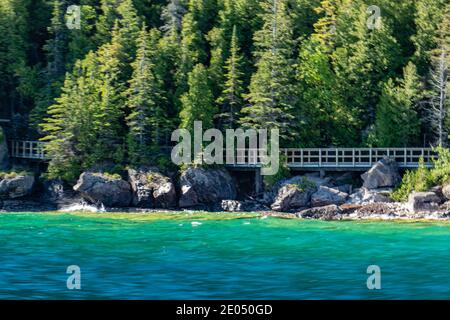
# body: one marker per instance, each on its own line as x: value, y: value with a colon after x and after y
x: 296, y: 158
x: 357, y: 157
x: 28, y: 149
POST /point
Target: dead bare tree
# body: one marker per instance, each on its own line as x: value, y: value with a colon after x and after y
x: 438, y: 107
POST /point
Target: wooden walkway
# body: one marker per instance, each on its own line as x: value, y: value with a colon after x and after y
x: 302, y: 159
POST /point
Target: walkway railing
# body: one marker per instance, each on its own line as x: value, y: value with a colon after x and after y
x: 357, y: 157
x: 318, y: 158
x: 28, y: 150
x: 340, y: 158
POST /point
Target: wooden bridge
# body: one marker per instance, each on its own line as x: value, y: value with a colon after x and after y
x: 358, y: 159
x: 332, y: 159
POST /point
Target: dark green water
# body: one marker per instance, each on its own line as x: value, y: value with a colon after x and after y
x: 237, y: 259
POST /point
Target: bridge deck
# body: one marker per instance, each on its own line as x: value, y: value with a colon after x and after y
x: 301, y: 159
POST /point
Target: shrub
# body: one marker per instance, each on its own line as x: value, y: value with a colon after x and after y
x: 13, y: 174
x: 423, y: 179
x: 283, y: 173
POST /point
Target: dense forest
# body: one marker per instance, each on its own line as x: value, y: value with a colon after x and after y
x: 324, y: 72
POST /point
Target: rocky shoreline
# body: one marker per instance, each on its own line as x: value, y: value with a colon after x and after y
x: 307, y: 196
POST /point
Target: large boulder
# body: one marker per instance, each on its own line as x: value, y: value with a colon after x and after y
x: 366, y: 196
x: 446, y: 191
x: 326, y: 196
x: 423, y: 202
x: 4, y: 158
x: 106, y: 189
x: 14, y: 186
x: 201, y: 186
x: 293, y: 196
x: 312, y: 181
x: 384, y: 174
x: 151, y: 189
x: 330, y: 212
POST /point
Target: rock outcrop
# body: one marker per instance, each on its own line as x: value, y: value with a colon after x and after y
x: 101, y: 188
x: 16, y: 186
x: 292, y: 197
x: 446, y: 191
x: 4, y: 158
x: 384, y: 174
x: 423, y: 202
x: 327, y: 196
x: 330, y: 212
x: 206, y: 187
x: 151, y: 189
x: 366, y: 196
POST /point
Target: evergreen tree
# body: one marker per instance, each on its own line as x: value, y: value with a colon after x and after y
x: 84, y: 125
x: 172, y: 16
x: 428, y: 16
x: 362, y: 61
x: 272, y: 89
x: 53, y: 76
x: 198, y: 103
x: 231, y: 100
x: 147, y: 120
x: 190, y: 52
x: 397, y: 123
x: 15, y: 75
x: 219, y: 38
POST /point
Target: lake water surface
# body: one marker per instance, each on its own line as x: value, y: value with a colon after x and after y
x: 247, y: 258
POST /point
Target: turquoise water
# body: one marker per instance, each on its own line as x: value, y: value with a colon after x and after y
x: 236, y: 259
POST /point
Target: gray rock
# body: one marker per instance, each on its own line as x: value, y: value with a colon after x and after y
x: 16, y: 187
x: 331, y: 212
x: 326, y: 196
x: 291, y: 197
x: 200, y: 186
x: 423, y: 201
x: 102, y: 188
x: 231, y: 205
x: 312, y: 180
x: 446, y: 191
x: 151, y: 189
x: 4, y: 158
x: 366, y: 196
x: 53, y: 189
x: 346, y: 188
x: 383, y: 174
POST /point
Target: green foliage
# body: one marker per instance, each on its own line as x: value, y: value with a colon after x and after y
x: 418, y: 180
x: 283, y: 173
x: 147, y: 120
x: 397, y: 122
x: 198, y: 103
x: 273, y: 91
x: 423, y: 178
x: 13, y: 174
x: 112, y: 93
x: 440, y: 174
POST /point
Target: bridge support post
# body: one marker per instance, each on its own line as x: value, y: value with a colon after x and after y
x: 259, y: 187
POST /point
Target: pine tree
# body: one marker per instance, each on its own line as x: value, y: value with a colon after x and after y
x: 428, y: 16
x: 198, y: 103
x: 14, y: 71
x: 190, y: 52
x: 172, y: 15
x: 231, y: 98
x: 53, y: 75
x: 146, y: 100
x: 272, y: 89
x: 362, y: 61
x: 397, y: 123
x: 84, y: 126
x: 219, y: 38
